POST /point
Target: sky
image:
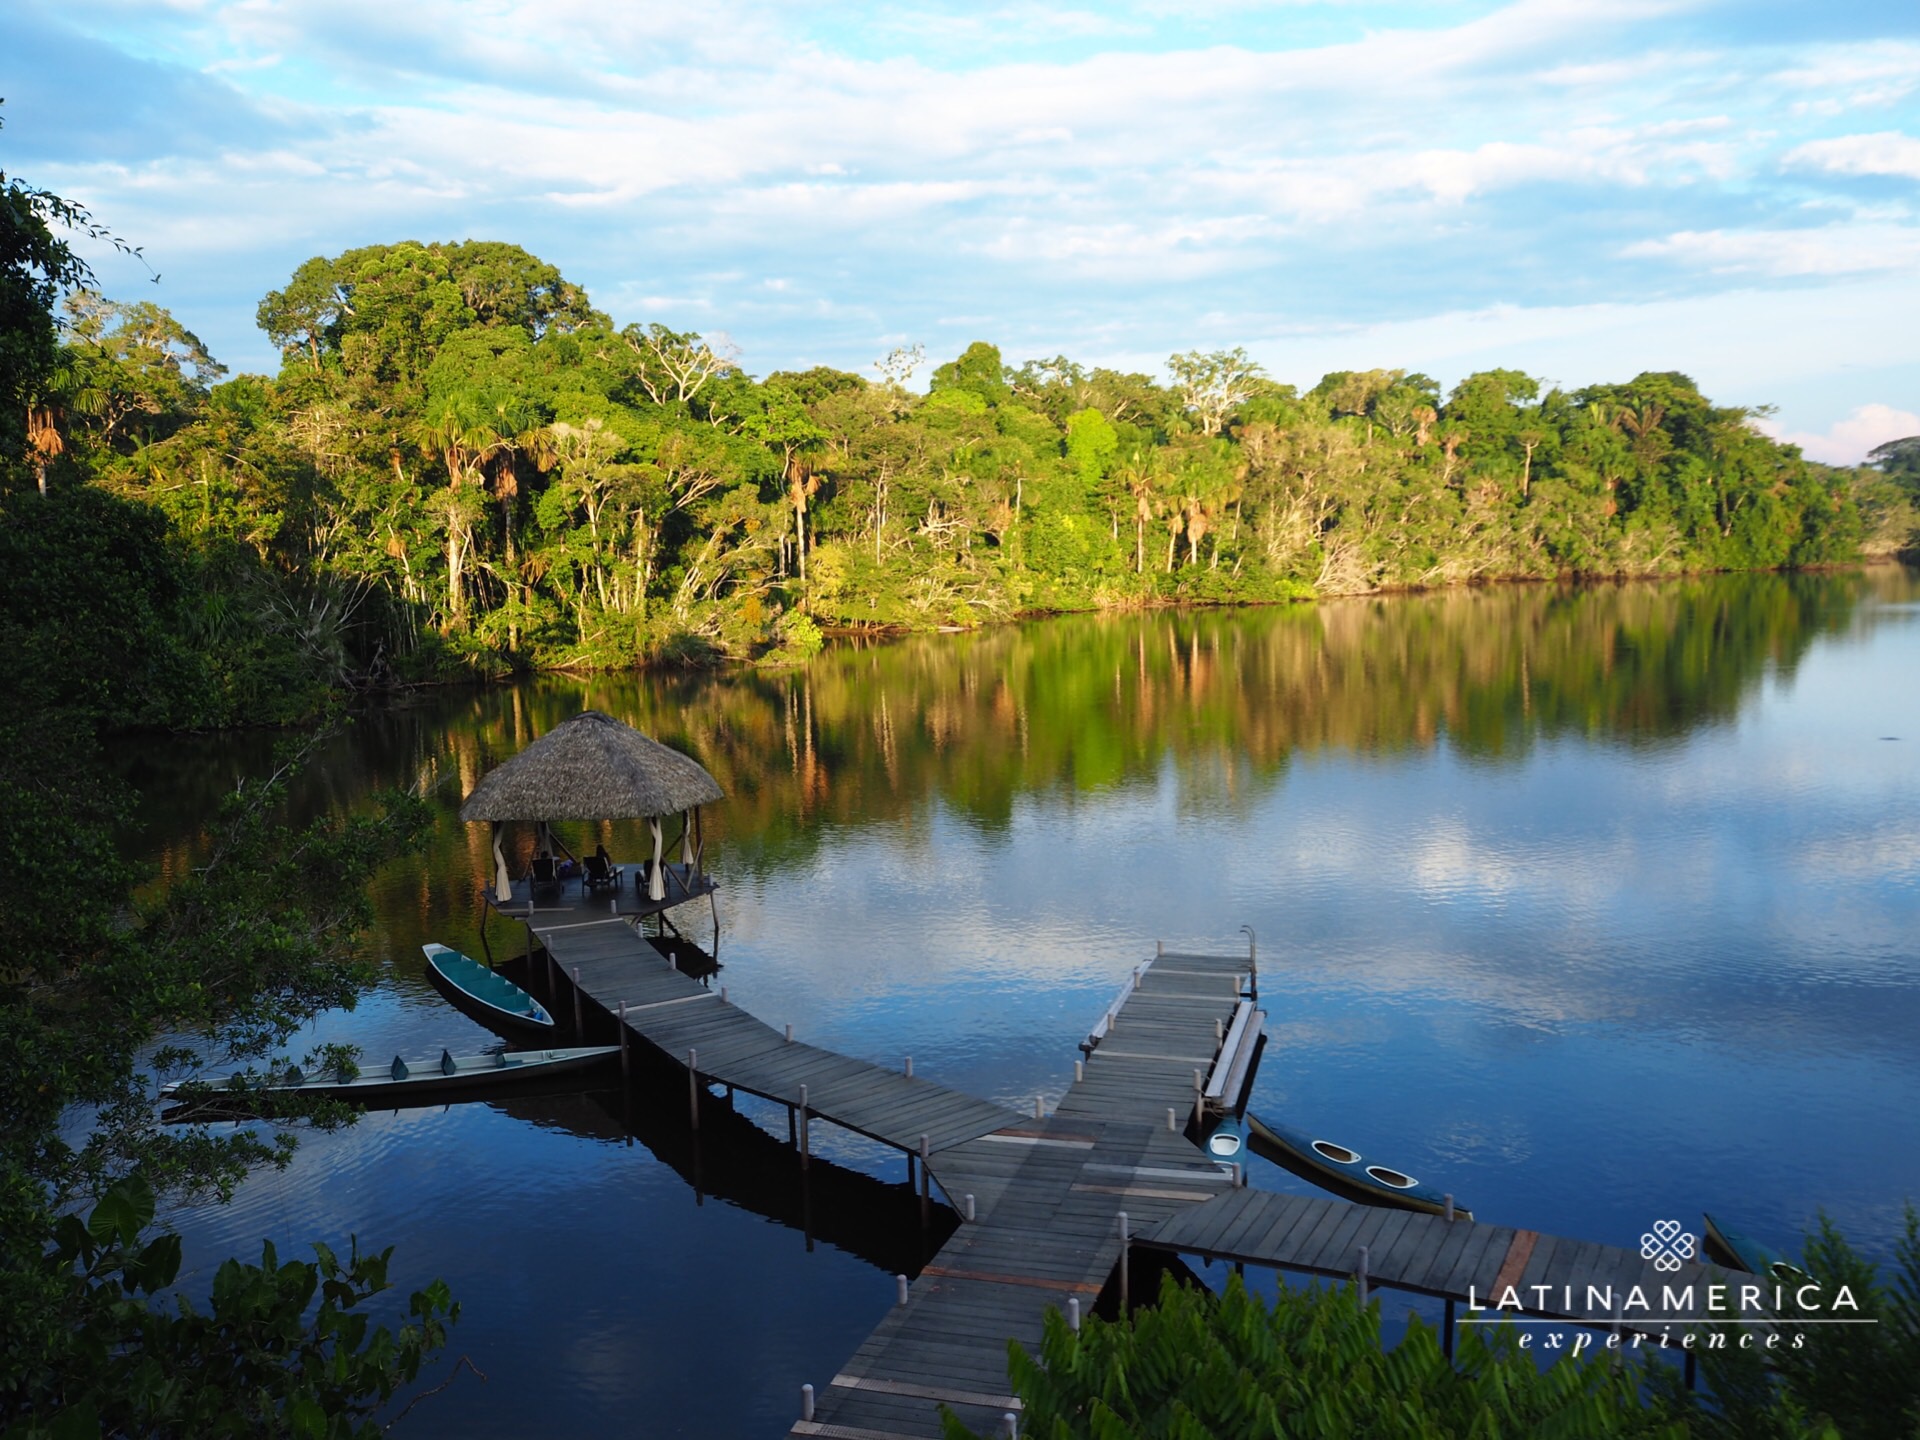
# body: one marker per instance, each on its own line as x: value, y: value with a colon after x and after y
x: 1580, y: 189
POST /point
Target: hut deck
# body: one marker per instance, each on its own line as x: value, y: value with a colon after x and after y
x: 556, y: 902
x: 1459, y: 1260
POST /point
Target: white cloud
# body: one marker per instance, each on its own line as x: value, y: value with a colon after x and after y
x: 1887, y: 152
x: 1827, y: 250
x: 1846, y: 442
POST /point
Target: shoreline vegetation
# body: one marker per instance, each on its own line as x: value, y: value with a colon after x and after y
x: 464, y: 471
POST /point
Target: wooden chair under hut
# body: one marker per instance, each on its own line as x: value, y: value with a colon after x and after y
x: 593, y: 768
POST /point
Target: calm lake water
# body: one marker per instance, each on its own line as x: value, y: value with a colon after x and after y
x: 1592, y: 906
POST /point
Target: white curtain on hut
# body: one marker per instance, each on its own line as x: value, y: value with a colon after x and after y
x: 502, y: 881
x: 657, y: 885
x: 686, y: 840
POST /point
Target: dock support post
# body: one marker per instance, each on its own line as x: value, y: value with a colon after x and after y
x: 1073, y: 1313
x: 1124, y: 1262
x: 1361, y: 1275
x: 579, y: 1025
x: 1693, y: 1368
x: 1173, y: 1122
x: 1199, y: 1100
x: 789, y: 1033
x: 924, y: 1197
x: 909, y: 1067
x: 793, y: 1133
x: 1449, y: 1209
x: 723, y: 994
x: 1039, y: 1107
x: 806, y: 1139
x: 626, y: 1054
x: 693, y: 1087
x: 969, y: 1209
x: 1446, y: 1334
x: 1010, y: 1422
x: 900, y: 1289
x: 1079, y: 1071
x: 1159, y: 948
x: 1253, y: 963
x: 806, y: 1402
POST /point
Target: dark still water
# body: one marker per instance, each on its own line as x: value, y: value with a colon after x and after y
x: 1594, y: 907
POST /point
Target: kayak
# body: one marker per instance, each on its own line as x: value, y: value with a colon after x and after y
x: 488, y: 996
x: 1344, y: 1171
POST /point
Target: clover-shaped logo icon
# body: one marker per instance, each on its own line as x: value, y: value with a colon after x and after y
x: 1666, y: 1245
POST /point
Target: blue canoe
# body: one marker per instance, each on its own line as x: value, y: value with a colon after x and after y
x: 1345, y: 1171
x: 1227, y: 1141
x: 487, y: 996
x: 1730, y: 1248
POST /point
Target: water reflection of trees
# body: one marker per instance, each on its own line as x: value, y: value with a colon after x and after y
x: 1070, y: 708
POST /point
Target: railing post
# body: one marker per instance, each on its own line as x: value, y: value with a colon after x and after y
x: 900, y: 1289
x: 806, y: 1402
x: 806, y: 1140
x: 1362, y: 1274
x: 1449, y: 1210
x: 1079, y: 1071
x: 925, y: 1199
x: 626, y: 1053
x: 579, y: 1026
x: 693, y: 1086
x: 1124, y: 1266
x: 1073, y: 1313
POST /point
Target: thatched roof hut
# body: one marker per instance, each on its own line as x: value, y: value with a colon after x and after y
x: 592, y: 767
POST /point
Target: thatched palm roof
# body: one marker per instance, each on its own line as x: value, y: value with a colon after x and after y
x: 592, y: 767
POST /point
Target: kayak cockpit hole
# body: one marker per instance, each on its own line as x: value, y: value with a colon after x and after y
x: 1391, y: 1177
x: 1786, y: 1274
x: 1224, y: 1142
x: 1339, y: 1154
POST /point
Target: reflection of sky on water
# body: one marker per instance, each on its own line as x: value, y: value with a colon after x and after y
x: 1609, y: 980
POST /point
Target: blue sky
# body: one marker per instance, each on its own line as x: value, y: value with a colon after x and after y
x: 1582, y: 189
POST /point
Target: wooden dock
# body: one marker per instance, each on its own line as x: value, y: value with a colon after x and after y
x: 1552, y: 1278
x: 1047, y: 1196
x: 1041, y: 1197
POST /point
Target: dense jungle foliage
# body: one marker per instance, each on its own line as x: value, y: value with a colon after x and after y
x: 462, y: 466
x: 100, y: 610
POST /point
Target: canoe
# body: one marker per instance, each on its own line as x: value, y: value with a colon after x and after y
x: 419, y: 1081
x: 1227, y: 1141
x: 488, y: 996
x: 1344, y: 1171
x: 1737, y: 1252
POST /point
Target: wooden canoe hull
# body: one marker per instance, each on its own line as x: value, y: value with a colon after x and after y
x: 425, y: 1081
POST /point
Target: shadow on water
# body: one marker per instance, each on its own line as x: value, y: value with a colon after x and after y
x: 731, y: 1159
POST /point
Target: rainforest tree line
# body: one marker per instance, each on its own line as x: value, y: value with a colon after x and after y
x: 463, y: 466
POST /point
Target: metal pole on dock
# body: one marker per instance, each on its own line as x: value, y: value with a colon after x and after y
x: 1123, y: 1263
x: 1446, y: 1335
x: 1173, y: 1121
x: 789, y: 1032
x: 1362, y: 1275
x: 969, y: 1209
x: 909, y: 1067
x: 1449, y: 1209
x: 1073, y: 1313
x: 1199, y: 1099
x: 900, y: 1289
x: 693, y: 1086
x: 1010, y: 1422
x: 806, y: 1140
x: 626, y: 1053
x: 806, y: 1402
x: 1079, y: 1071
x: 579, y: 1025
x: 1039, y: 1107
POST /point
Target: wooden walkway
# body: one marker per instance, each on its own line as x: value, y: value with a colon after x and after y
x: 722, y: 1044
x: 1551, y: 1277
x: 1047, y: 1198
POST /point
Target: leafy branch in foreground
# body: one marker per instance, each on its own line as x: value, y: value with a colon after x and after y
x: 1196, y: 1365
x: 254, y: 1364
